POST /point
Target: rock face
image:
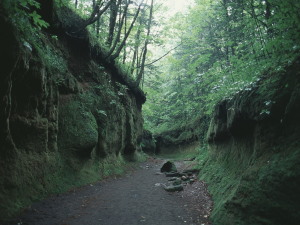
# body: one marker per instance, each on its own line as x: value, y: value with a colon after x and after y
x: 148, y: 143
x: 183, y: 138
x: 253, y: 167
x: 64, y: 110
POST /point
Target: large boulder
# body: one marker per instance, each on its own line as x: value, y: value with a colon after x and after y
x: 168, y: 167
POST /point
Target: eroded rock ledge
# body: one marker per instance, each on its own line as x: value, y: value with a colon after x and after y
x: 254, y: 153
x: 66, y: 114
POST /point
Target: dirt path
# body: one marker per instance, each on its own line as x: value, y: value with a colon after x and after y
x: 135, y: 198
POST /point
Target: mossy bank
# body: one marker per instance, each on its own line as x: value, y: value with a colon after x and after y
x: 68, y: 116
x: 252, y: 164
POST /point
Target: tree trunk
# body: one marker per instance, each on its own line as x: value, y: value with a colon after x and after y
x: 141, y: 72
x: 98, y: 27
x: 112, y: 21
x: 119, y: 49
x: 96, y: 14
x: 116, y: 40
x: 267, y: 17
x: 125, y: 30
x: 136, y: 46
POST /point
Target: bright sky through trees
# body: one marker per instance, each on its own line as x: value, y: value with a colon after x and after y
x: 176, y: 5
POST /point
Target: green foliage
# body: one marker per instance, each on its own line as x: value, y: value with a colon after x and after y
x: 28, y: 24
x: 226, y: 47
x: 26, y: 3
x: 25, y: 9
x: 53, y: 59
x: 37, y: 20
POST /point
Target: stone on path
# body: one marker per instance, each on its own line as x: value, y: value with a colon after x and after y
x: 168, y: 167
x: 178, y: 181
x: 173, y: 188
x: 173, y: 174
x: 185, y: 178
x: 191, y: 171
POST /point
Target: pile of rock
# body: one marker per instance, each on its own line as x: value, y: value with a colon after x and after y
x: 178, y: 179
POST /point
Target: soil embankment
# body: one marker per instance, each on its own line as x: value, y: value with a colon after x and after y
x: 253, y: 161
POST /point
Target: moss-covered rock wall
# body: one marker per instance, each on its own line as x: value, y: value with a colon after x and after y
x: 181, y: 138
x: 253, y: 162
x: 67, y: 115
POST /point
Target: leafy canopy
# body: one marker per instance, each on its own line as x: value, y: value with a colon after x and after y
x: 225, y: 47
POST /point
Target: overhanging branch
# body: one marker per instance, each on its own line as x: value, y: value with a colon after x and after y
x: 160, y: 57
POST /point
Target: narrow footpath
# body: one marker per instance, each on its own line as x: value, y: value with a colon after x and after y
x: 137, y: 197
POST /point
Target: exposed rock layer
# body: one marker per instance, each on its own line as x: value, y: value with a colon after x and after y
x: 64, y: 108
x: 253, y: 165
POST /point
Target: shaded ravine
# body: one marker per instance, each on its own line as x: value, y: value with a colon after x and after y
x: 135, y: 198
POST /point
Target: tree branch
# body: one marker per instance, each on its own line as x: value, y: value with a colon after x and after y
x: 160, y: 57
x: 116, y: 40
x: 117, y: 53
x: 97, y: 12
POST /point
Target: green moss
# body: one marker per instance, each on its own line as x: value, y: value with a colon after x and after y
x: 260, y: 191
x: 252, y: 165
x: 42, y: 174
x: 102, y: 107
x: 28, y: 170
x: 78, y: 130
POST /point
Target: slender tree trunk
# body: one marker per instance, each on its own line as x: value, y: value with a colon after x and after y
x: 268, y: 10
x: 125, y: 30
x: 117, y: 38
x: 98, y: 27
x: 138, y: 60
x: 261, y: 39
x: 229, y: 31
x: 112, y: 21
x: 267, y: 17
x: 136, y: 46
x: 94, y: 25
x: 95, y: 15
x: 143, y: 60
x: 133, y: 61
x: 119, y: 49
